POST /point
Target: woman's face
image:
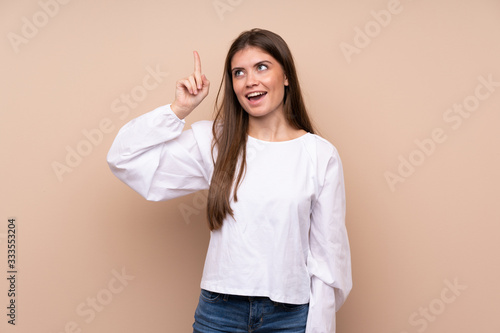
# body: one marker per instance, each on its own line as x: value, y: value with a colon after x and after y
x: 258, y: 81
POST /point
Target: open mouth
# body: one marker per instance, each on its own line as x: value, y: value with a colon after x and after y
x: 255, y: 96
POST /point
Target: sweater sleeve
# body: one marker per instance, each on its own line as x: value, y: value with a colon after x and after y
x: 155, y: 157
x: 329, y: 260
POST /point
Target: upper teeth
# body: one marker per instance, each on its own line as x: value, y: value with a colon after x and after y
x: 255, y: 94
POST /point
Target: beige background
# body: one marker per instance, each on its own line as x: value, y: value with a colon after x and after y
x: 435, y: 226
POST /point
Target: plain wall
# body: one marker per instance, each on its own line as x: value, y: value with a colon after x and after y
x: 399, y: 87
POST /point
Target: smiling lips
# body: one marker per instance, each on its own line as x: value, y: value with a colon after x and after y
x: 256, y: 95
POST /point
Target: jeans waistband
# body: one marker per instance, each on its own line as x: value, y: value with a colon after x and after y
x: 246, y: 298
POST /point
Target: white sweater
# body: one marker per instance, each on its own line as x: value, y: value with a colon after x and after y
x: 287, y: 240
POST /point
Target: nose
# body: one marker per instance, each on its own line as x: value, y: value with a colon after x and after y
x: 251, y: 80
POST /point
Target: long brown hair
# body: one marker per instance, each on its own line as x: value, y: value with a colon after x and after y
x: 231, y: 121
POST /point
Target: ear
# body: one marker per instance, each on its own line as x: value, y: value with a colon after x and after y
x: 286, y: 81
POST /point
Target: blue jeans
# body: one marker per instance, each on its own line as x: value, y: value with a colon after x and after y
x: 218, y: 313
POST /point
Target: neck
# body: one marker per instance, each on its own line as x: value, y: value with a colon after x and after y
x: 272, y: 127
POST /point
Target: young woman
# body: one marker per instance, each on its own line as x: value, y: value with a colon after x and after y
x: 278, y: 258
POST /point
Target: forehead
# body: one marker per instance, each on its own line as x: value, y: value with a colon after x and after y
x: 249, y: 56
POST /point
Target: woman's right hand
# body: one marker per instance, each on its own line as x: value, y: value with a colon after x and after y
x: 190, y: 91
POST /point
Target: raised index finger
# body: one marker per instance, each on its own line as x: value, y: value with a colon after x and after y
x: 197, y: 63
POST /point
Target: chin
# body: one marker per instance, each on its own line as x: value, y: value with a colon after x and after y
x: 260, y: 110
x: 257, y: 113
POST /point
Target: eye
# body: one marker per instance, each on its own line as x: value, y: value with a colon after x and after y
x: 262, y: 67
x: 238, y: 72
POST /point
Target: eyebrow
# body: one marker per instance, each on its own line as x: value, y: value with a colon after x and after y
x: 256, y: 64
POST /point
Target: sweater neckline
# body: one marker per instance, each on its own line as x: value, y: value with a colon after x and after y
x: 279, y: 142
